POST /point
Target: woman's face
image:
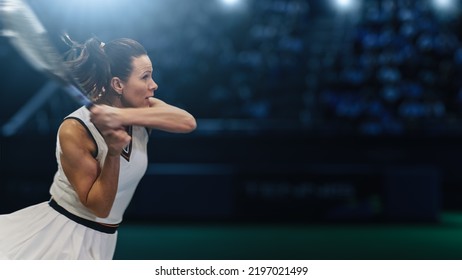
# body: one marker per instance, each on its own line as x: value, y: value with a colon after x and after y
x: 139, y: 86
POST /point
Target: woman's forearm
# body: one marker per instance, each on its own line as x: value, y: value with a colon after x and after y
x: 159, y: 115
x: 166, y: 118
x: 102, y: 194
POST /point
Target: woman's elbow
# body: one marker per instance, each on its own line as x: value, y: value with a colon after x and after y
x: 185, y: 124
x: 189, y: 124
x: 99, y: 212
x: 102, y: 213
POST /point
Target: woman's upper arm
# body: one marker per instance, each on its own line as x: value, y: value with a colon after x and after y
x: 77, y: 160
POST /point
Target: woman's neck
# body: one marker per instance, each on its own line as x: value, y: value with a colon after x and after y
x: 110, y: 100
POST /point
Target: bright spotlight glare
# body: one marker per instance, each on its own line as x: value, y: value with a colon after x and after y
x: 345, y: 5
x: 444, y: 4
x: 230, y: 2
x: 233, y: 5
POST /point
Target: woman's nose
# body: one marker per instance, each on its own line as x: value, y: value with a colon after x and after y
x: 154, y: 85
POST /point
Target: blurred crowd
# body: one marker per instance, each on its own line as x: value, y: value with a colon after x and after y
x: 402, y: 74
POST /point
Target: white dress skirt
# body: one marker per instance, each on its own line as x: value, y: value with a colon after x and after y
x: 39, y: 232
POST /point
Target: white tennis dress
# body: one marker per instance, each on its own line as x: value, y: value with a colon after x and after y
x: 42, y: 232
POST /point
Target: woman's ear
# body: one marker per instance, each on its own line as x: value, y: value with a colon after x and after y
x: 117, y: 85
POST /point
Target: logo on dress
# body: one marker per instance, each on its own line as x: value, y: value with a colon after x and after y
x: 127, y: 151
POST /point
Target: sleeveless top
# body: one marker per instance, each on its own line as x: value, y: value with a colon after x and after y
x: 133, y: 165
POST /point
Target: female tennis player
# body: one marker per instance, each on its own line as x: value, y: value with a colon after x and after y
x: 101, y: 156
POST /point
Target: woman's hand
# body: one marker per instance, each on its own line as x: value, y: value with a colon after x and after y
x: 116, y: 140
x: 106, y: 117
x: 107, y: 120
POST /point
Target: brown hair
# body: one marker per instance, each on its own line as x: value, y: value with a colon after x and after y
x: 94, y: 64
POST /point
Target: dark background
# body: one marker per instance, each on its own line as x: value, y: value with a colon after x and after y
x: 306, y: 112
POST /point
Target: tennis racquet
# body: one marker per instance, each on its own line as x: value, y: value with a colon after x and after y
x: 30, y: 38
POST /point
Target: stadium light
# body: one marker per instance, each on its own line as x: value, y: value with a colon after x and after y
x: 446, y: 7
x: 231, y: 2
x: 444, y: 4
x: 233, y: 5
x: 345, y: 5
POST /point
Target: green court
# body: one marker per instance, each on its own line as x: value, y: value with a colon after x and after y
x: 269, y: 241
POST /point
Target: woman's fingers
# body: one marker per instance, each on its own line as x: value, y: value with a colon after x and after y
x: 116, y: 140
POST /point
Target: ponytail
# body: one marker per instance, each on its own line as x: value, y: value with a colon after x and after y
x: 89, y: 65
